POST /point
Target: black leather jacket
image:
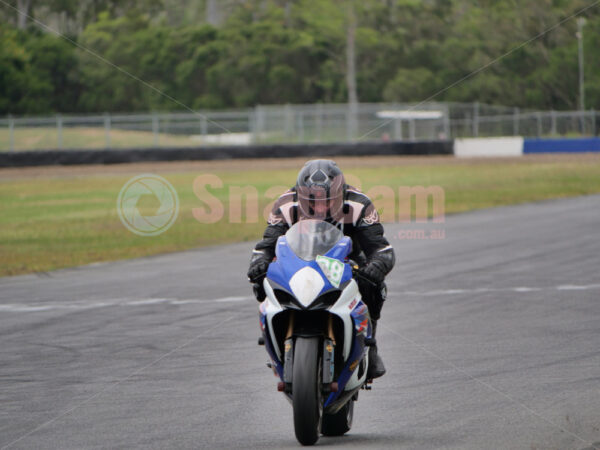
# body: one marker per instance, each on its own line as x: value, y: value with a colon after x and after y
x: 360, y: 223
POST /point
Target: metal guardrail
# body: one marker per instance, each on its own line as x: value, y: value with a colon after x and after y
x: 530, y: 124
x: 318, y: 123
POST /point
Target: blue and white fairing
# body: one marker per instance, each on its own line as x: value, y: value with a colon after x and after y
x: 307, y: 280
x: 311, y: 260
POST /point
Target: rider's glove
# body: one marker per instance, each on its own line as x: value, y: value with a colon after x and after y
x: 258, y: 269
x: 374, y: 271
x: 259, y: 292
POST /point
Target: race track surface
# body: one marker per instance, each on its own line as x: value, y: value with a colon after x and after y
x: 491, y: 338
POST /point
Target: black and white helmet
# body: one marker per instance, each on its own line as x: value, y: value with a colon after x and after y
x: 320, y: 189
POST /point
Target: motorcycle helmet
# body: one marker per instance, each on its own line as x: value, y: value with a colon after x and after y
x: 320, y: 189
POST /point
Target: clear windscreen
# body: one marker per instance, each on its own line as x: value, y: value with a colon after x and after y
x: 309, y: 238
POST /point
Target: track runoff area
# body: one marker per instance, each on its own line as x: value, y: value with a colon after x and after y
x: 490, y: 336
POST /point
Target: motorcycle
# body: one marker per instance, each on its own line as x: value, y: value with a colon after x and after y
x: 316, y: 329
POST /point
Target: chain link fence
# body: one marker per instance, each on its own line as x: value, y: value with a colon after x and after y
x: 301, y: 124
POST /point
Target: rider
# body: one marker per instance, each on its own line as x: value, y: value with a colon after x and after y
x: 321, y: 193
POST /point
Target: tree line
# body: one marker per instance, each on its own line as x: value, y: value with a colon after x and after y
x: 239, y: 53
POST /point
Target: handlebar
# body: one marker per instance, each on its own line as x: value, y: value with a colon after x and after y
x: 357, y: 274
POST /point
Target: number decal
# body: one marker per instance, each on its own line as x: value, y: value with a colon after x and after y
x: 332, y: 268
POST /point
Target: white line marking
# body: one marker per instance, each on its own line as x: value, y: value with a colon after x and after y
x: 148, y: 301
x: 95, y: 303
x: 520, y: 289
x: 91, y: 304
x: 24, y: 308
x: 187, y: 301
x: 231, y: 299
x: 526, y: 289
x: 570, y: 287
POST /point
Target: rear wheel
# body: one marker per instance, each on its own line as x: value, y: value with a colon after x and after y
x: 340, y: 422
x: 306, y: 390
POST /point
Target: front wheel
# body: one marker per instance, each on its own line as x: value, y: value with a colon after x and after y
x: 339, y: 423
x: 306, y: 390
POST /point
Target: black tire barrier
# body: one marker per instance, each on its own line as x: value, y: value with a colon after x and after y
x: 118, y: 156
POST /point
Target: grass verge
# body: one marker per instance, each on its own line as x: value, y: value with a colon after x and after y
x: 44, y: 138
x: 66, y: 216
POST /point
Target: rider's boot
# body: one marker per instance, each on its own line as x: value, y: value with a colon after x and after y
x: 376, y: 368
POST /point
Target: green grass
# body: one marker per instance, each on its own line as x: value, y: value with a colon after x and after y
x: 44, y: 138
x: 51, y: 221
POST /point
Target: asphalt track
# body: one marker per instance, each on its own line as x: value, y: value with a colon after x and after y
x: 491, y: 338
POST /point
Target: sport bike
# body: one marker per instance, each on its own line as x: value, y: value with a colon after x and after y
x: 315, y: 328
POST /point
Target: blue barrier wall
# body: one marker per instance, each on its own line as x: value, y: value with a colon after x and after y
x: 561, y: 145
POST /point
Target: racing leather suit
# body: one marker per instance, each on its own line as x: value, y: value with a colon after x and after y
x: 360, y: 223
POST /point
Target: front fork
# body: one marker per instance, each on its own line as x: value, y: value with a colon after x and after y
x: 328, y: 361
x: 329, y: 356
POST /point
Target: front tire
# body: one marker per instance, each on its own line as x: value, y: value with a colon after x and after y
x: 306, y: 390
x: 339, y: 423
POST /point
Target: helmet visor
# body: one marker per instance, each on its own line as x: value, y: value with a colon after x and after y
x: 315, y: 202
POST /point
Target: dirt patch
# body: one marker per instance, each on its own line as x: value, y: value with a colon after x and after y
x: 280, y: 164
